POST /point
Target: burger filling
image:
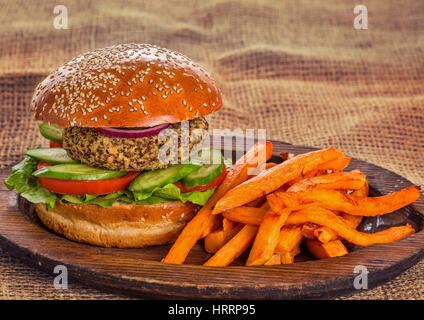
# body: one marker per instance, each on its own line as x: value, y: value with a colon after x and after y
x: 130, y: 154
x: 85, y: 166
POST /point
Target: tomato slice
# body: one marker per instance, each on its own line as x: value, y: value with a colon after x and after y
x: 81, y: 187
x: 55, y: 144
x: 214, y: 183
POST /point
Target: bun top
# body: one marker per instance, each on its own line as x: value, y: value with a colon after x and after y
x: 130, y: 85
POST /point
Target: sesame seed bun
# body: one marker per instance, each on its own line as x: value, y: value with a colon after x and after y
x: 121, y: 225
x: 131, y: 85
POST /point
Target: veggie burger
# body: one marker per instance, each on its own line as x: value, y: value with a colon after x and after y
x: 103, y: 180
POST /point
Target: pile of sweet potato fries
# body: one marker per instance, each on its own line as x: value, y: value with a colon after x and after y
x: 305, y: 198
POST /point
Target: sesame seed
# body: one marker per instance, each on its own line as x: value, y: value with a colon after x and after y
x: 101, y: 71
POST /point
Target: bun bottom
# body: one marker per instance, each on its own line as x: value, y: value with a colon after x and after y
x: 121, y: 225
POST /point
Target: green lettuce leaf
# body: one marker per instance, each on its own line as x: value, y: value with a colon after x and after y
x: 197, y: 197
x: 167, y: 193
x: 22, y: 180
x: 153, y: 200
x: 105, y: 201
x: 172, y: 192
x: 108, y: 200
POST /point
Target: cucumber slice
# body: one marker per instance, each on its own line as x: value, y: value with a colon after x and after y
x: 77, y: 172
x: 149, y: 180
x: 50, y: 155
x: 212, y: 161
x: 51, y: 132
x: 207, y: 156
x: 203, y: 176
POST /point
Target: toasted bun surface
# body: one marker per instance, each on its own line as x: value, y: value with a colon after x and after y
x: 122, y: 225
x: 131, y: 85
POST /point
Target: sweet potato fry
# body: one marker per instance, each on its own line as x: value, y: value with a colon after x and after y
x: 296, y: 250
x: 363, y: 192
x: 336, y: 180
x: 246, y: 215
x: 256, y: 171
x: 256, y: 203
x: 340, y: 201
x: 269, y: 232
x: 275, y: 260
x: 335, y: 165
x: 210, y: 225
x: 272, y: 179
x: 267, y: 238
x: 287, y: 257
x: 324, y: 217
x: 290, y: 238
x: 233, y: 248
x: 260, y: 152
x: 228, y: 224
x: 330, y: 166
x: 326, y: 250
x: 264, y: 205
x: 270, y: 165
x: 286, y: 155
x: 215, y: 240
x: 308, y: 230
x: 325, y: 234
x: 261, y: 168
x: 351, y: 220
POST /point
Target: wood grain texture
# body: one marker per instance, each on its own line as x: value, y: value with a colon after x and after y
x: 139, y: 272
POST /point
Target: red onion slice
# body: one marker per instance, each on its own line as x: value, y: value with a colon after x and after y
x: 139, y: 133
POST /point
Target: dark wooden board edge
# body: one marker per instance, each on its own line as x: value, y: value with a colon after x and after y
x: 133, y: 287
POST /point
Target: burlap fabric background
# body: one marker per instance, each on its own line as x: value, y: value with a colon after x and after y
x: 297, y: 68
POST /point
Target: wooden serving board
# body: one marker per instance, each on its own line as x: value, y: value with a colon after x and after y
x: 139, y: 272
